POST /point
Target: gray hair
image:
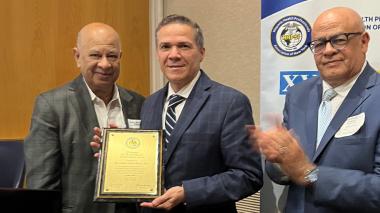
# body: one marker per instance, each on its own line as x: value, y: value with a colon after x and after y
x: 171, y: 19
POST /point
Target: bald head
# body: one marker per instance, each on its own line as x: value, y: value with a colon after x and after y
x: 98, y: 56
x: 341, y: 17
x: 97, y: 31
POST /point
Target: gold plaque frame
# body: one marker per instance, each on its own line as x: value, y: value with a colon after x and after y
x: 130, y: 166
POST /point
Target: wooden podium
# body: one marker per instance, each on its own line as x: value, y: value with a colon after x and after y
x: 29, y: 200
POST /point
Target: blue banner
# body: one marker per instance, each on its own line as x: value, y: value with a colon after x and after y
x: 268, y: 7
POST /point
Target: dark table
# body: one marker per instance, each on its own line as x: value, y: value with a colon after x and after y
x: 29, y: 200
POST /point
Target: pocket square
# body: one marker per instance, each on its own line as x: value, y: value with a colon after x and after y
x: 351, y: 125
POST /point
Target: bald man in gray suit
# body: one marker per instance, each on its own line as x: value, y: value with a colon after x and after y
x: 56, y: 150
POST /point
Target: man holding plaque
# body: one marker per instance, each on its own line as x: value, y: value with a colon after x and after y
x: 207, y: 162
x: 56, y: 150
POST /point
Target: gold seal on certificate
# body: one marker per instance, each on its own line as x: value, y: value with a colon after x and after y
x: 130, y: 166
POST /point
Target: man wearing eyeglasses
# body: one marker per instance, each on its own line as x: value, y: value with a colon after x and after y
x: 328, y: 148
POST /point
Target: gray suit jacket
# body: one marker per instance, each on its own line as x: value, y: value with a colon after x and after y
x: 209, y: 153
x: 349, y: 166
x: 57, y: 151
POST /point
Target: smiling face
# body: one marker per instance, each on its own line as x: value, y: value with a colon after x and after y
x: 338, y: 66
x: 98, y: 56
x: 178, y: 54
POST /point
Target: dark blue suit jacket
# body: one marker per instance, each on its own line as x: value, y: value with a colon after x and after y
x: 209, y: 153
x: 349, y: 167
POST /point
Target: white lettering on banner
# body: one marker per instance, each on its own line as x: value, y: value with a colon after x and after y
x: 291, y: 78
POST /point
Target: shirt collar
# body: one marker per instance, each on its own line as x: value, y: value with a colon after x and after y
x: 115, y: 96
x: 343, y: 89
x: 186, y: 90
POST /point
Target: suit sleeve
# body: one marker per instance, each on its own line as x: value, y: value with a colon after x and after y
x: 42, y: 149
x: 243, y: 174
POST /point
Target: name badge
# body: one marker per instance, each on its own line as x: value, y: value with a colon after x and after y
x: 134, y: 123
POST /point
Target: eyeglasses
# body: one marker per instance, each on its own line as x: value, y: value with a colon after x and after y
x: 338, y: 42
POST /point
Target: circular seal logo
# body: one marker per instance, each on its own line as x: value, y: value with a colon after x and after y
x: 291, y: 35
x: 132, y: 143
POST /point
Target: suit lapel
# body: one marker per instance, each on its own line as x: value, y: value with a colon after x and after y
x: 81, y: 102
x: 151, y: 114
x: 129, y: 109
x: 193, y: 105
x: 157, y: 112
x: 311, y: 122
x: 357, y: 95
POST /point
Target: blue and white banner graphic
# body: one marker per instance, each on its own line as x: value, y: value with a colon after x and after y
x: 285, y: 57
x: 285, y: 33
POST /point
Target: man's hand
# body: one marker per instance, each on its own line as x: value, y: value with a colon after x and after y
x: 280, y: 145
x: 168, y: 200
x: 96, y: 141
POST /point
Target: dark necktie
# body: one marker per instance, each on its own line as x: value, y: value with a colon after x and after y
x: 170, y: 119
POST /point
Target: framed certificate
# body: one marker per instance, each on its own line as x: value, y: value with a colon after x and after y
x: 130, y: 166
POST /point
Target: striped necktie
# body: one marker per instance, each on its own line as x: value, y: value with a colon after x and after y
x: 324, y: 113
x: 171, y: 119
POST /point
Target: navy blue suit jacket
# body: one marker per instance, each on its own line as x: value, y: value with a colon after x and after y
x: 349, y: 167
x: 209, y: 153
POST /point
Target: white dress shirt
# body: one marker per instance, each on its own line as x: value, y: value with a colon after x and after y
x: 184, y: 92
x: 110, y: 114
x: 341, y: 91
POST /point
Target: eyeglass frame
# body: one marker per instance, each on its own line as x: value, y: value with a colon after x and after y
x: 331, y: 41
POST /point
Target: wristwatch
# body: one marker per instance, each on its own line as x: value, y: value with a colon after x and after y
x: 311, y: 176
